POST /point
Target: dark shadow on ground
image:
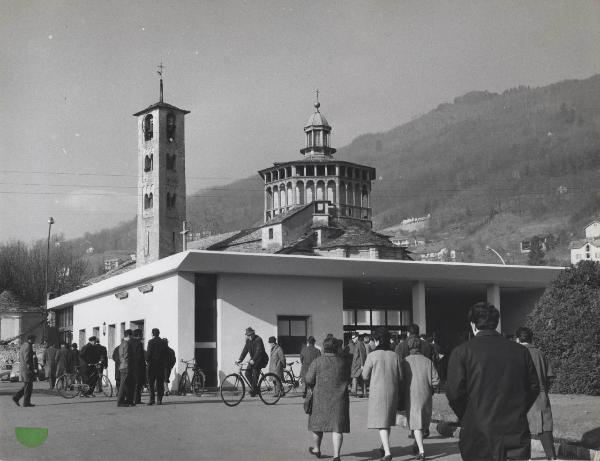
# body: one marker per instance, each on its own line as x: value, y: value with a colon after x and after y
x: 591, y: 439
x: 438, y: 450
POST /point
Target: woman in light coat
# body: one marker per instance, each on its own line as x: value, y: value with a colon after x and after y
x: 382, y: 367
x: 420, y: 378
x: 329, y: 376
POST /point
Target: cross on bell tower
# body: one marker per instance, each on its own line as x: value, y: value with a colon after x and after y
x: 161, y: 179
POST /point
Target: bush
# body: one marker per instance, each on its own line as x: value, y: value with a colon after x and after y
x: 566, y: 326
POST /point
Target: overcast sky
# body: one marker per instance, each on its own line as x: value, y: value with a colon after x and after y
x: 74, y: 72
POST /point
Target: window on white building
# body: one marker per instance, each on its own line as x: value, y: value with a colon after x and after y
x: 292, y: 332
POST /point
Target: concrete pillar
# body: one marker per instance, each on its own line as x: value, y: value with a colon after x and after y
x: 418, y: 306
x: 493, y: 297
x: 184, y: 342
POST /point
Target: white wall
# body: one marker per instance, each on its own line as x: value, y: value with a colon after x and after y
x: 158, y: 309
x: 256, y: 301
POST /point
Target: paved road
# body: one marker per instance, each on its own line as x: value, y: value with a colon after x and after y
x: 186, y: 428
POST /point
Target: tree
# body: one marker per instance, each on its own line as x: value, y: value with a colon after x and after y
x: 566, y: 326
x: 537, y: 254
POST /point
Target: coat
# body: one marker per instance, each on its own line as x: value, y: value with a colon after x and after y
x: 88, y: 355
x: 420, y: 378
x: 116, y: 358
x: 171, y: 361
x: 63, y: 361
x: 156, y: 355
x: 540, y: 414
x: 426, y: 349
x: 26, y: 363
x: 359, y: 355
x: 307, y: 355
x: 277, y: 360
x: 73, y: 360
x: 383, y: 369
x: 256, y: 349
x: 331, y: 402
x: 49, y: 362
x: 125, y: 356
x: 102, y: 354
x: 491, y: 386
x: 138, y: 359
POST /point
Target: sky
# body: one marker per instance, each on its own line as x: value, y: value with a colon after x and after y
x: 73, y: 73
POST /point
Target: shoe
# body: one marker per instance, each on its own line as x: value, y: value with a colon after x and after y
x: 28, y: 405
x: 426, y: 433
x: 411, y: 435
x: 122, y: 404
x: 252, y: 394
x: 337, y: 458
x: 381, y: 451
x: 16, y: 401
x: 387, y: 458
x: 131, y: 404
x: 313, y: 452
x: 420, y: 457
x: 150, y: 402
x: 159, y: 402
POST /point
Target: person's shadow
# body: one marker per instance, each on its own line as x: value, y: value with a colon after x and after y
x: 433, y: 451
x: 591, y: 439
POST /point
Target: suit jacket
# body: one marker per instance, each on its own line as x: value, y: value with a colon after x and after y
x: 73, y: 359
x: 156, y: 356
x: 307, y: 355
x: 27, y: 364
x: 256, y: 349
x: 138, y: 358
x: 49, y: 361
x: 491, y: 385
x: 426, y: 350
x: 88, y: 355
x: 63, y: 361
x: 102, y: 354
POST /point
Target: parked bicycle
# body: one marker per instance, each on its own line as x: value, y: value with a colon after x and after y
x: 70, y: 385
x: 197, y: 384
x: 290, y: 380
x: 233, y: 387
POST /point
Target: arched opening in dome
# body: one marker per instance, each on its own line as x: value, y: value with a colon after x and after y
x: 300, y: 193
x: 320, y: 190
x: 275, y: 197
x: 290, y: 195
x: 331, y: 191
x: 310, y: 191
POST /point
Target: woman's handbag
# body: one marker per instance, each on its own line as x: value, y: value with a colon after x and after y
x: 308, y: 401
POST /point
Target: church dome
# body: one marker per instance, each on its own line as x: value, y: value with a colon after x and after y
x: 316, y: 118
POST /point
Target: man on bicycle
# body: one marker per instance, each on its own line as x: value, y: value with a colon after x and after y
x: 258, y: 358
x: 89, y: 357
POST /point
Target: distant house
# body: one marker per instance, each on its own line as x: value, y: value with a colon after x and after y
x: 407, y: 240
x: 434, y: 251
x: 111, y: 263
x: 587, y: 249
x: 18, y: 318
x: 546, y: 241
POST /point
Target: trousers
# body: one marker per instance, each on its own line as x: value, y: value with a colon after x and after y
x: 125, y: 394
x: 252, y: 373
x: 25, y: 392
x: 156, y: 383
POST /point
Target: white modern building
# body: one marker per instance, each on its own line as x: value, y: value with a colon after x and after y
x: 202, y: 301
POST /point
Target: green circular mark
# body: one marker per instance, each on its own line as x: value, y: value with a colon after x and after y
x: 31, y: 437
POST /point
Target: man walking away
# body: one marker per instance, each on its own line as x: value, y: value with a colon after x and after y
x: 540, y: 415
x: 157, y: 358
x: 73, y: 358
x: 125, y: 395
x: 117, y: 360
x: 169, y: 364
x: 49, y: 364
x: 492, y: 384
x: 27, y: 373
x: 402, y: 347
x: 258, y: 358
x: 62, y: 359
x: 307, y: 355
x: 359, y: 354
x: 139, y: 365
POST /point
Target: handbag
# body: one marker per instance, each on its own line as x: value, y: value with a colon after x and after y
x: 308, y: 402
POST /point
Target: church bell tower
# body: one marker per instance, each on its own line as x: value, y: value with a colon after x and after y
x: 161, y: 179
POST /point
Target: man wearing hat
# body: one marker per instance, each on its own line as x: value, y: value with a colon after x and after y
x: 27, y: 373
x: 258, y: 358
x: 358, y: 351
x: 89, y: 356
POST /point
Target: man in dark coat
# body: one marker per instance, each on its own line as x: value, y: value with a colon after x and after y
x: 116, y: 358
x: 307, y: 355
x: 126, y: 389
x: 62, y: 359
x: 73, y: 358
x: 157, y: 358
x: 402, y: 347
x: 258, y: 358
x: 358, y: 351
x: 138, y: 365
x: 540, y: 415
x: 169, y: 364
x: 102, y: 353
x: 27, y: 373
x: 491, y: 386
x: 49, y: 364
x: 88, y: 358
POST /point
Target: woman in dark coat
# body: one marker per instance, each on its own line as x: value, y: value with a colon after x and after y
x: 307, y: 355
x: 329, y: 377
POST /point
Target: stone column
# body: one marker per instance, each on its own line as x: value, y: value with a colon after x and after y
x: 493, y: 297
x: 418, y: 306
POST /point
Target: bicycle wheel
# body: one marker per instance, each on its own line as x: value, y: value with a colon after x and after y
x: 106, y: 386
x: 232, y: 389
x: 184, y: 384
x: 288, y: 382
x: 68, y: 386
x: 270, y: 389
x: 199, y: 382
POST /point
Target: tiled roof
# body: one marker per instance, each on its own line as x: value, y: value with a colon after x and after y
x: 204, y: 243
x: 11, y: 303
x: 288, y: 214
x: 433, y: 247
x: 125, y: 267
x: 576, y: 244
x: 163, y: 105
x: 356, y: 236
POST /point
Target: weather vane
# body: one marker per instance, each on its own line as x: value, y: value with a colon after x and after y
x: 160, y: 72
x: 317, y: 104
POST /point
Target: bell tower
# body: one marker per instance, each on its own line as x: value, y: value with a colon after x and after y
x: 161, y: 179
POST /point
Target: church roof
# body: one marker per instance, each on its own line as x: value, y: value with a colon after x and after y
x: 357, y: 236
x: 162, y: 105
x: 125, y: 267
x: 316, y: 119
x: 288, y: 214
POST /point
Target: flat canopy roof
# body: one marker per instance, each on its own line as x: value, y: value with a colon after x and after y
x: 219, y: 262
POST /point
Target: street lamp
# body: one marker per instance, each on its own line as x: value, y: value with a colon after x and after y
x: 489, y: 248
x: 50, y: 222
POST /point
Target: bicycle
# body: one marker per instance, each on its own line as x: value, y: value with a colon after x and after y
x: 290, y: 380
x: 70, y: 385
x: 198, y: 381
x: 233, y: 387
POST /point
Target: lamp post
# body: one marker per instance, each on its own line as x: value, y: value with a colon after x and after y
x: 489, y: 248
x: 50, y: 222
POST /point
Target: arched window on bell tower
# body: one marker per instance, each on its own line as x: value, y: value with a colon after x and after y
x: 148, y: 127
x: 171, y: 126
x: 149, y: 163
